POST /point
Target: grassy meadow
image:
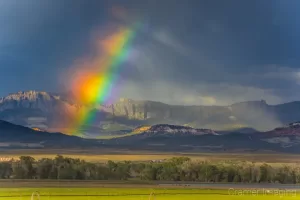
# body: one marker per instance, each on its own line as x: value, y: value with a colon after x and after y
x: 136, y: 194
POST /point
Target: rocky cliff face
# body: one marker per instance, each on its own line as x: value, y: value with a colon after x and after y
x: 35, y: 100
x: 34, y: 108
x: 256, y: 114
x: 140, y: 110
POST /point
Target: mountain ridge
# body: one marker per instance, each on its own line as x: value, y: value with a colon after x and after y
x: 32, y: 94
x: 47, y: 110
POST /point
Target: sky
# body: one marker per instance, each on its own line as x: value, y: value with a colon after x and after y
x: 192, y: 52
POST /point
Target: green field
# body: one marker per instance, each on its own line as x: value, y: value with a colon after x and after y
x: 137, y: 194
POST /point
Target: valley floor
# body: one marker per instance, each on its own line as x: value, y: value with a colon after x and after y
x: 103, y: 155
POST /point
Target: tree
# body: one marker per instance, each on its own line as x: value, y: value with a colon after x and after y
x: 23, y: 168
x: 265, y: 173
x: 149, y: 172
x: 168, y: 171
x: 44, y: 168
x: 122, y: 170
x: 208, y: 172
x: 5, y: 170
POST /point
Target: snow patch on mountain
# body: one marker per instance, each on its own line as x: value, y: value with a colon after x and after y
x: 174, y: 129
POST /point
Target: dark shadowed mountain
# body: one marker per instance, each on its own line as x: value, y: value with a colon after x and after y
x: 173, y: 137
x: 52, y: 112
x: 161, y: 137
x: 16, y: 136
x: 292, y: 129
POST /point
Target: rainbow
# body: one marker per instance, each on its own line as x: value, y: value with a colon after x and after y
x: 94, y: 86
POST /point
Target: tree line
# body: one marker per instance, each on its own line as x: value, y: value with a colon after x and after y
x: 174, y: 169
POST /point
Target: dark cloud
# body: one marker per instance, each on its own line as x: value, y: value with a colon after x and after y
x: 192, y: 52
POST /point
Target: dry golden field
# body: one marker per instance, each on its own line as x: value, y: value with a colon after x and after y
x: 103, y: 155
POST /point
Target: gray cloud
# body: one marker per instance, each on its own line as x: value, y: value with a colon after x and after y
x: 195, y: 94
x: 157, y: 74
x: 186, y: 53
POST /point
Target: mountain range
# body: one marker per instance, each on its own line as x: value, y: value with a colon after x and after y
x: 160, y: 137
x: 53, y: 113
x: 41, y: 120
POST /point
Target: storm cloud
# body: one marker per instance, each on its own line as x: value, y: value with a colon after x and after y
x: 190, y: 52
